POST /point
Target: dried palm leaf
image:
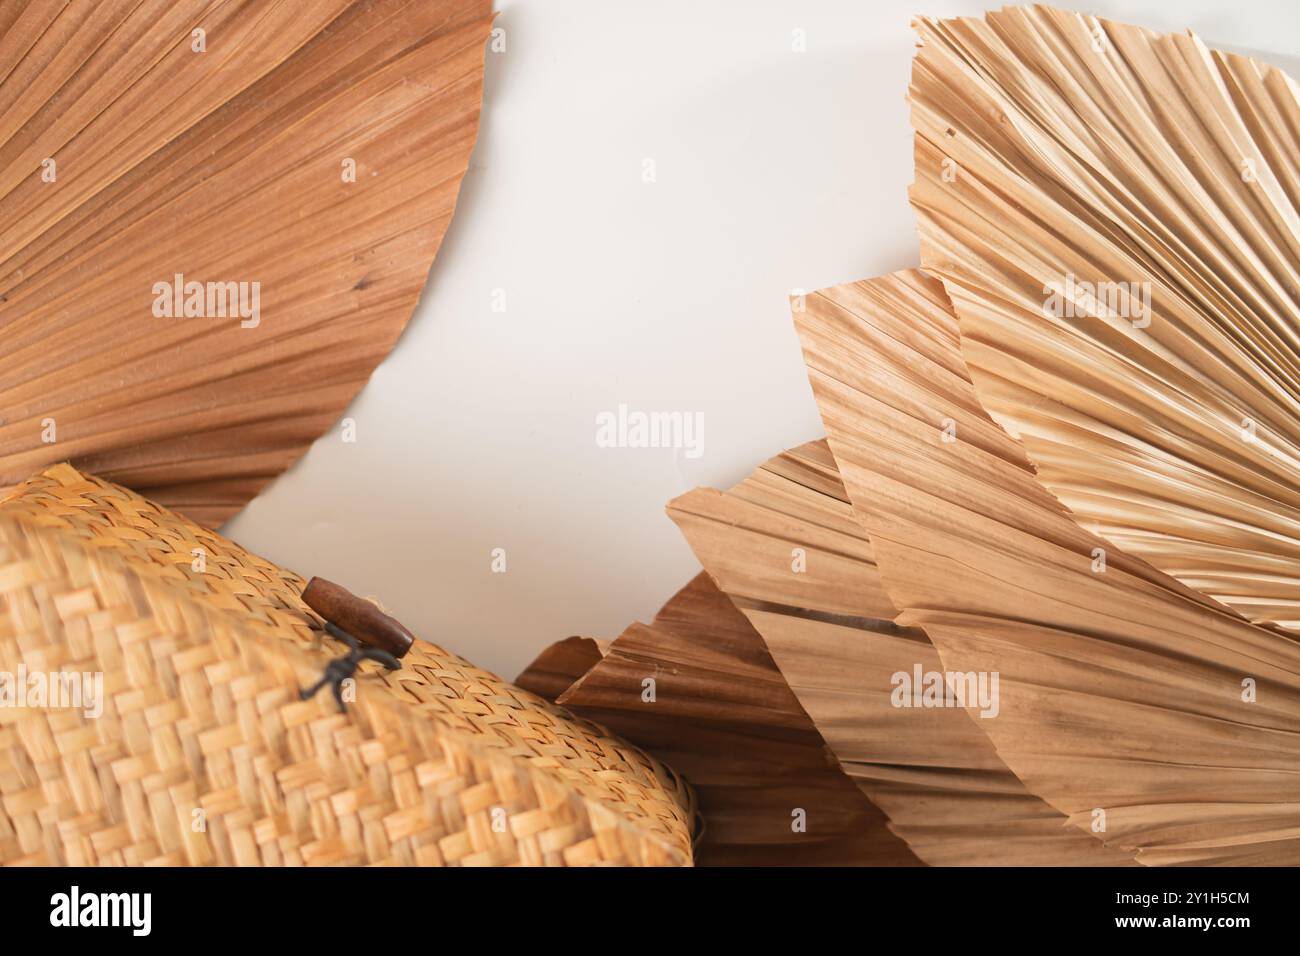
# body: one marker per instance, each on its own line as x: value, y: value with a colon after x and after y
x: 698, y: 689
x: 554, y: 670
x: 933, y: 771
x: 1155, y: 718
x: 314, y: 149
x: 759, y: 539
x: 1116, y: 216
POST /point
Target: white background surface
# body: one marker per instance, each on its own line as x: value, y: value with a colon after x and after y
x: 775, y: 170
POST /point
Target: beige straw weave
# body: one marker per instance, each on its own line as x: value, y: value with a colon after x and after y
x: 205, y: 755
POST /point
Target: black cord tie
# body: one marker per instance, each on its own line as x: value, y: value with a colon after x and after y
x: 339, y: 670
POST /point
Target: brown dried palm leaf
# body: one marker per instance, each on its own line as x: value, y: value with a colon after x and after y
x: 127, y: 157
x: 1161, y: 402
x: 1127, y: 700
x: 721, y: 713
x: 787, y: 548
x: 556, y: 668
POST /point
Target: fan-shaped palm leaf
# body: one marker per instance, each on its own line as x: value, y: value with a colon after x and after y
x: 312, y: 151
x: 933, y: 771
x: 1153, y: 717
x: 698, y: 688
x: 1116, y: 215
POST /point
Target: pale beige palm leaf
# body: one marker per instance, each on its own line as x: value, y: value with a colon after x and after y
x: 1162, y: 402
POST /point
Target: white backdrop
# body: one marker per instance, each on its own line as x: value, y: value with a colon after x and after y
x: 774, y: 170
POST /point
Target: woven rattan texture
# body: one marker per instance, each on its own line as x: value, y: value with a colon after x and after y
x: 204, y: 754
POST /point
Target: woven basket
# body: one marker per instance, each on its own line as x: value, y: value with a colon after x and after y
x: 204, y: 754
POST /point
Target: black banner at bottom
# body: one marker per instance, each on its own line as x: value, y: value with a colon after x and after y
x: 335, y: 906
